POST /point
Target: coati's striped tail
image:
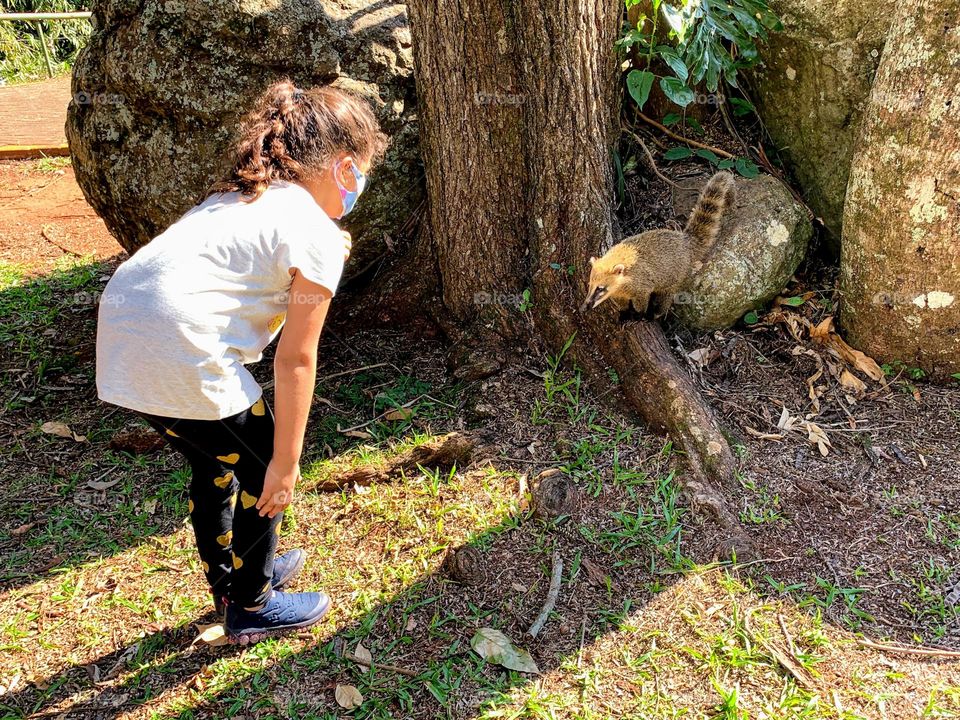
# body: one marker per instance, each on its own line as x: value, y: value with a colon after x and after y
x: 704, y: 223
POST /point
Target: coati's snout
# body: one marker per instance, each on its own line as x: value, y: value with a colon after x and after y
x: 595, y: 296
x: 604, y: 282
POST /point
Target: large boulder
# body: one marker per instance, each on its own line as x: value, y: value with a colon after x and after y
x: 763, y: 238
x: 812, y: 89
x: 159, y: 90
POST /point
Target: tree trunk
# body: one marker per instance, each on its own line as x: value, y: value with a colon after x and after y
x: 901, y: 256
x: 518, y: 104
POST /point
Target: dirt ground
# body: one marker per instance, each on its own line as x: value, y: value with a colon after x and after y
x: 44, y: 216
x: 858, y: 535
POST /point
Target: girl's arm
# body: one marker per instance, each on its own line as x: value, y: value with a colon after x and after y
x: 295, y: 370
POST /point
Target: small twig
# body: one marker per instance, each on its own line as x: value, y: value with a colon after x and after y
x: 653, y: 163
x: 552, y: 594
x: 681, y: 138
x: 907, y: 650
x: 786, y: 634
x: 382, y: 666
x: 46, y: 236
x: 678, y: 186
x: 383, y: 414
x: 787, y: 661
x: 731, y: 128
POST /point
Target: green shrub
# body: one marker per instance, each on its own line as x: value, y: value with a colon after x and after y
x: 21, y: 54
x: 709, y: 40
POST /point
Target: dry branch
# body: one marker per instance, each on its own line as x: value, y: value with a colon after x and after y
x: 681, y: 138
x: 907, y: 650
x: 382, y: 666
x: 552, y: 595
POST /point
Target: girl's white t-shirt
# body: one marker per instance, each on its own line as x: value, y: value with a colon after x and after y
x: 181, y: 317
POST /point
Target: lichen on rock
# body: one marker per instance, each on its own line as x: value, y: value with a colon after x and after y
x: 160, y: 88
x: 812, y: 88
x: 763, y: 238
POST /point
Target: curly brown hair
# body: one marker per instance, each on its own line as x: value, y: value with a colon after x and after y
x: 293, y: 134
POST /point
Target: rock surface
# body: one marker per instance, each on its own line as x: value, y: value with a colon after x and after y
x: 160, y: 88
x: 763, y: 238
x: 812, y: 90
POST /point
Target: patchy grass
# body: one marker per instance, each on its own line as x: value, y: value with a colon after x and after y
x: 102, y: 593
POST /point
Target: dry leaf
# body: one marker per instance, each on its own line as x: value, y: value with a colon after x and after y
x: 763, y: 435
x: 703, y: 356
x: 61, y: 430
x: 816, y: 435
x: 212, y: 635
x: 495, y: 647
x: 358, y: 434
x: 821, y: 332
x: 22, y: 529
x: 785, y: 422
x: 595, y: 574
x: 348, y: 697
x: 399, y: 414
x: 105, y: 485
x: 363, y: 656
x: 825, y: 334
x: 852, y: 382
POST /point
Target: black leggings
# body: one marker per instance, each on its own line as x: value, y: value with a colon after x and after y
x: 229, y: 459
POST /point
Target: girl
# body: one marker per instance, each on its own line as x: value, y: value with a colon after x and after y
x: 181, y: 318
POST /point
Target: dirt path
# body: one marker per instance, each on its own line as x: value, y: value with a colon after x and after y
x: 35, y: 113
x: 44, y: 217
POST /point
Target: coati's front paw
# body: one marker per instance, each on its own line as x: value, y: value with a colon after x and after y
x: 628, y: 315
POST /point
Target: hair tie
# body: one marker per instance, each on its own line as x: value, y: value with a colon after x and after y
x: 297, y: 95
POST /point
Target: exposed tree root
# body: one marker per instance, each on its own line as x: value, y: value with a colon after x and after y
x: 662, y: 392
x: 444, y: 451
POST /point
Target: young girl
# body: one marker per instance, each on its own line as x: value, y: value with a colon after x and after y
x: 181, y: 318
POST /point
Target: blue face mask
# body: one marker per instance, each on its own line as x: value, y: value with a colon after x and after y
x: 349, y: 197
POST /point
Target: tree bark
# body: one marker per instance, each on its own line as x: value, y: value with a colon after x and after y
x: 900, y: 260
x: 518, y: 104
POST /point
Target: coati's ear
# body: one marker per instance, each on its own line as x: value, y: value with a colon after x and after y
x: 592, y: 260
x: 619, y: 269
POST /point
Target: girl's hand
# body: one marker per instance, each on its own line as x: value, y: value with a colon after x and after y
x: 277, y: 488
x: 347, y: 244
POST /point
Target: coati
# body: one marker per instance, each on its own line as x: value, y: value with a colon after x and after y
x: 643, y: 273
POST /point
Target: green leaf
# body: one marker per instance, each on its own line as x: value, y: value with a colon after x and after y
x: 726, y: 164
x: 956, y: 376
x: 674, y: 19
x: 677, y: 91
x: 495, y: 647
x: 678, y: 153
x: 639, y: 83
x: 695, y: 124
x: 795, y: 301
x: 709, y: 155
x: 676, y: 64
x: 671, y: 119
x: 751, y: 318
x: 741, y: 107
x: 747, y: 168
